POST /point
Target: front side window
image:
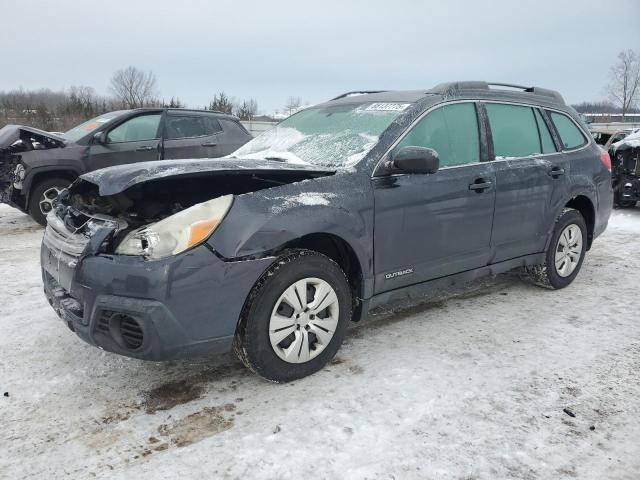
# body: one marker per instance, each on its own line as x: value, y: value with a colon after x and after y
x: 514, y: 130
x: 333, y: 135
x: 452, y: 131
x: 140, y: 128
x: 570, y: 134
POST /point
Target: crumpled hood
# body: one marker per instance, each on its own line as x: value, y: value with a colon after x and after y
x: 629, y: 142
x: 9, y: 134
x: 113, y: 180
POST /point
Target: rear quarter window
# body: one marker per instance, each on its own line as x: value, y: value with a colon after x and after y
x: 570, y: 135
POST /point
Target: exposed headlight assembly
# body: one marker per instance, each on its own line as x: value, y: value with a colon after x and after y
x: 178, y: 232
x: 18, y: 176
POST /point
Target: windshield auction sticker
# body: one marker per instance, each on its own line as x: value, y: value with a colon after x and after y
x: 388, y: 107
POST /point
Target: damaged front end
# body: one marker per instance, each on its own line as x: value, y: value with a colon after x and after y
x: 15, y: 141
x: 625, y: 161
x: 125, y: 262
x: 162, y: 209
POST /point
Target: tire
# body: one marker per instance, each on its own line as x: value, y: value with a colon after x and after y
x: 256, y: 341
x: 37, y: 196
x: 622, y: 203
x: 556, y: 274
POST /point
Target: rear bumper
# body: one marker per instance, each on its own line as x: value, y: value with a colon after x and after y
x: 604, y: 204
x: 177, y: 307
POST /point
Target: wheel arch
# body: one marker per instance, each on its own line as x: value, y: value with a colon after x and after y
x: 584, y: 205
x: 37, y: 176
x: 341, y: 252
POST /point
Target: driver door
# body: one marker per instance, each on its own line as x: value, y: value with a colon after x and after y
x: 137, y: 139
x: 432, y: 225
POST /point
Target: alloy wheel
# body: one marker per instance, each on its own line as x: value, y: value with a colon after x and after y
x: 46, y: 201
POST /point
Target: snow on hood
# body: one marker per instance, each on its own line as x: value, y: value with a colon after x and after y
x: 113, y: 180
x: 630, y: 141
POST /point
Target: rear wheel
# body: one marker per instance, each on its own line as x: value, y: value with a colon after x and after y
x: 295, y: 317
x: 42, y: 196
x: 565, y: 254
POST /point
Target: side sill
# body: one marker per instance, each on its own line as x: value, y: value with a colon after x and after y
x: 419, y: 290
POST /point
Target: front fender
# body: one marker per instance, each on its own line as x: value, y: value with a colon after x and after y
x: 265, y: 221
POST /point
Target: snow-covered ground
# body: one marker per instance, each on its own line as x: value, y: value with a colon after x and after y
x: 471, y: 386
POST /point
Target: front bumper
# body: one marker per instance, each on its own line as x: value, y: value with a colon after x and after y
x: 8, y: 194
x: 177, y: 307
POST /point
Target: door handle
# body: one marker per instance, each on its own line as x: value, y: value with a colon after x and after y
x: 555, y: 172
x: 480, y: 185
x: 209, y: 144
x: 144, y: 149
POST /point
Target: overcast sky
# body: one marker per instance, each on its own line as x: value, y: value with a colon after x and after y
x: 270, y: 50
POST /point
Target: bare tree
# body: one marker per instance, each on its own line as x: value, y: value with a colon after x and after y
x: 293, y: 104
x: 247, y: 109
x: 624, y: 87
x: 134, y: 88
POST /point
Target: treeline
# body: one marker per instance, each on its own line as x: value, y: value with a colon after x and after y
x: 58, y: 111
x: 54, y: 111
x: 602, y: 107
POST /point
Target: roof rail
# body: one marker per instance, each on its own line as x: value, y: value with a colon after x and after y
x: 358, y: 92
x: 453, y: 87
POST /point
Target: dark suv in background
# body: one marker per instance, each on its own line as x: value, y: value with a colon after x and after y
x: 36, y: 165
x: 344, y: 206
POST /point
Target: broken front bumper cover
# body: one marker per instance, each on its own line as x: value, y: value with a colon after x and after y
x: 177, y: 307
x: 8, y: 164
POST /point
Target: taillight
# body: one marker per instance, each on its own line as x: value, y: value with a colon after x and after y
x: 605, y: 159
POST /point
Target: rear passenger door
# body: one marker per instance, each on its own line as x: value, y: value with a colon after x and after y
x: 191, y: 135
x: 529, y: 172
x: 430, y: 226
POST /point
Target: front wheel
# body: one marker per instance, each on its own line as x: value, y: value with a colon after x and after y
x: 42, y: 197
x: 565, y: 254
x: 295, y: 317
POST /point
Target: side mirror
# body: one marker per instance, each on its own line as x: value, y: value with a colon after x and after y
x: 100, y: 137
x: 417, y: 160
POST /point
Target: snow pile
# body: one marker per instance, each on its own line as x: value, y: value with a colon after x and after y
x: 627, y: 221
x: 474, y: 385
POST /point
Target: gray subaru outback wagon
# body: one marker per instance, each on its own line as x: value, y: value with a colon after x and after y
x: 367, y: 199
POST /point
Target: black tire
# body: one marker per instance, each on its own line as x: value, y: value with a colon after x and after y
x: 37, y: 192
x: 546, y: 275
x: 622, y: 203
x: 252, y: 343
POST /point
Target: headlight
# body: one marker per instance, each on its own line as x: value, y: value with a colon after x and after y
x: 178, y: 232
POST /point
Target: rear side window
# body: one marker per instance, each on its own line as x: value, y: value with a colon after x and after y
x: 570, y: 134
x: 212, y: 125
x: 452, y: 131
x: 514, y: 130
x: 185, y: 126
x: 234, y: 127
x: 545, y: 136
